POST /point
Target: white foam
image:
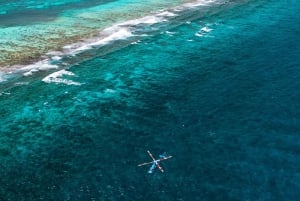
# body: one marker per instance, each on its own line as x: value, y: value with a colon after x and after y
x: 198, y: 34
x: 4, y: 93
x: 55, y: 54
x: 170, y: 32
x: 167, y: 14
x: 107, y: 36
x: 120, y: 31
x: 150, y: 20
x: 56, y: 58
x: 206, y: 29
x: 203, y: 31
x: 193, y: 4
x: 199, y: 3
x: 135, y: 42
x: 56, y: 77
x: 30, y: 72
x: 114, y: 34
x: 109, y: 91
x: 40, y: 65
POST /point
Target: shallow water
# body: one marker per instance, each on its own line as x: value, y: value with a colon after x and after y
x: 218, y: 89
x: 31, y: 29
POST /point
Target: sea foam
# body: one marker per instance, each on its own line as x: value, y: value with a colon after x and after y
x: 112, y: 34
x: 116, y: 32
x: 197, y: 3
x: 57, y: 77
x: 40, y: 65
x: 120, y: 31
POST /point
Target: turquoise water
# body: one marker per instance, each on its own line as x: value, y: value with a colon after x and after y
x: 31, y: 29
x: 216, y: 87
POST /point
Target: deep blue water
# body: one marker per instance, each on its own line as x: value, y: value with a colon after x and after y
x: 219, y: 92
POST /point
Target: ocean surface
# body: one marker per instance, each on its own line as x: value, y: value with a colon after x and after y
x: 87, y: 87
